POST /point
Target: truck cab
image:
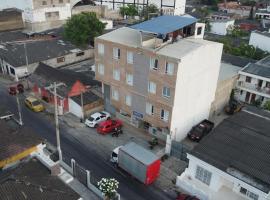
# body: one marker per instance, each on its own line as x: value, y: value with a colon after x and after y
x: 114, y: 155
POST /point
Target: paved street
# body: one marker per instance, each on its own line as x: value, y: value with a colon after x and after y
x: 87, y: 156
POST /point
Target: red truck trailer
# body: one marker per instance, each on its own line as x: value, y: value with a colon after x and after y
x: 137, y: 161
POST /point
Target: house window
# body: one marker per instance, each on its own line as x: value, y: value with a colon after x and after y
x: 169, y: 69
x: 129, y: 79
x: 100, y: 49
x: 128, y: 100
x: 44, y: 3
x: 199, y: 30
x: 249, y: 194
x: 80, y: 54
x: 152, y: 87
x: 130, y: 57
x: 153, y: 63
x: 164, y: 115
x: 203, y: 175
x: 115, y: 94
x: 12, y: 71
x: 116, y: 53
x: 61, y: 59
x: 248, y: 79
x: 149, y: 109
x: 267, y: 84
x: 101, y: 69
x: 116, y: 74
x: 166, y: 92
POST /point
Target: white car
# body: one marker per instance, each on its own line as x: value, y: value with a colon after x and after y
x: 96, y: 118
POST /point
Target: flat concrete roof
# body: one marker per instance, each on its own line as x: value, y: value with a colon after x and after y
x: 227, y: 71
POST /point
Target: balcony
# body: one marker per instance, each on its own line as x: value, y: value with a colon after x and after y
x: 254, y: 88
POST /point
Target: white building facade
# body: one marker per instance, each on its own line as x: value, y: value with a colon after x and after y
x: 254, y: 87
x: 220, y: 27
x: 260, y: 40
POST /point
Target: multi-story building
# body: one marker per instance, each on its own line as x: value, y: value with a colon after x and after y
x: 159, y: 73
x: 40, y: 15
x: 254, y: 82
x: 260, y: 40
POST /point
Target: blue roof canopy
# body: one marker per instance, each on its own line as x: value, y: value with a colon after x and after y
x: 164, y: 24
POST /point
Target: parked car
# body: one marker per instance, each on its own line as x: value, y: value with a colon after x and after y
x: 200, y: 130
x: 186, y: 197
x: 233, y: 107
x: 34, y: 104
x: 96, y: 118
x: 108, y: 126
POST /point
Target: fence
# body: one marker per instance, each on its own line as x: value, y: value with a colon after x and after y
x: 83, y: 175
x: 180, y: 150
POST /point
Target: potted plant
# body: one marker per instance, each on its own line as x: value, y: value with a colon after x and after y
x: 108, y: 187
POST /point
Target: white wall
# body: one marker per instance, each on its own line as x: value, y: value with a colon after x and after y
x: 196, y: 84
x: 220, y: 27
x: 260, y: 41
x: 74, y: 108
x: 218, y: 180
x: 18, y: 71
x: 180, y: 6
x: 109, y: 23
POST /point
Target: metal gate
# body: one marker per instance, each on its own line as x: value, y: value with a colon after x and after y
x: 107, y: 100
x: 80, y: 173
x: 180, y: 150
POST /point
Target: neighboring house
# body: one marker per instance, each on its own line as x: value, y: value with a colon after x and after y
x: 17, y: 143
x: 221, y: 16
x: 221, y: 26
x: 263, y: 13
x: 40, y: 15
x: 235, y: 8
x: 260, y: 40
x: 254, y: 82
x: 20, y: 53
x: 70, y: 85
x: 32, y: 180
x: 248, y: 25
x: 227, y: 79
x: 232, y: 162
x: 160, y: 74
x: 11, y: 19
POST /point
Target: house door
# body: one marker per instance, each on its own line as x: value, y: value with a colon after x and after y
x: 247, y: 97
x: 253, y: 98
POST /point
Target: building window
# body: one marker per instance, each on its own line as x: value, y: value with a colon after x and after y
x: 153, y: 63
x: 128, y: 100
x: 129, y: 79
x: 130, y: 57
x: 52, y: 15
x: 60, y: 1
x: 115, y: 94
x: 116, y: 53
x: 80, y: 54
x: 61, y: 59
x: 249, y: 194
x: 248, y: 79
x: 12, y: 71
x: 149, y: 109
x: 100, y: 49
x: 44, y: 3
x: 101, y: 69
x: 199, y: 30
x: 164, y: 115
x: 116, y: 74
x: 166, y: 92
x: 152, y: 87
x: 203, y: 175
x: 169, y: 68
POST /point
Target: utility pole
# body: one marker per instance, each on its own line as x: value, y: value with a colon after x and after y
x: 82, y: 106
x: 57, y: 124
x: 19, y: 110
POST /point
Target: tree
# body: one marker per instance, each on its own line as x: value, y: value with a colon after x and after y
x: 267, y: 105
x: 148, y: 10
x: 130, y: 10
x: 81, y: 29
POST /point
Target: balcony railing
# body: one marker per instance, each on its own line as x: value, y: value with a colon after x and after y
x: 254, y: 87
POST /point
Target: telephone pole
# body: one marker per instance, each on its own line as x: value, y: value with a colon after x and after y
x: 57, y: 124
x: 19, y: 110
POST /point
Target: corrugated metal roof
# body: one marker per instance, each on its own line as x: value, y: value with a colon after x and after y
x: 256, y: 69
x: 164, y: 24
x: 139, y: 153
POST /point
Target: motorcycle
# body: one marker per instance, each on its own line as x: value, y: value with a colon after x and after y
x: 116, y: 132
x: 153, y: 142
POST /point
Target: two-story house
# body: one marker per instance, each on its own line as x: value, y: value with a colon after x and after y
x: 160, y: 73
x: 254, y: 82
x: 232, y: 162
